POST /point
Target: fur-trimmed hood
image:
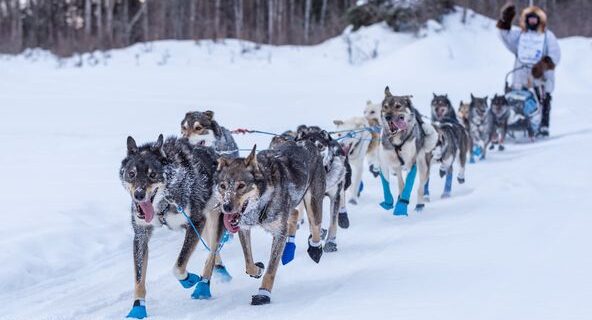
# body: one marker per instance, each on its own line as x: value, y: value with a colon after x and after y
x: 539, y: 12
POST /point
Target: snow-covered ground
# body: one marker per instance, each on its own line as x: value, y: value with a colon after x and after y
x: 512, y: 243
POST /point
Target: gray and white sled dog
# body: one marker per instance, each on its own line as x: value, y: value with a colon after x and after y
x: 480, y: 124
x: 453, y: 143
x: 501, y: 114
x: 262, y: 190
x: 405, y: 141
x: 200, y: 128
x: 161, y: 177
x: 355, y: 142
x: 452, y: 146
x: 442, y: 109
x: 337, y: 179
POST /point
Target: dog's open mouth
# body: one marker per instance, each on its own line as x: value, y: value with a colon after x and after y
x: 232, y: 220
x: 146, y: 209
x: 397, y: 125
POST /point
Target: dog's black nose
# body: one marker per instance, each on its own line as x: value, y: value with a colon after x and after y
x: 387, y: 118
x: 227, y: 207
x: 139, y: 194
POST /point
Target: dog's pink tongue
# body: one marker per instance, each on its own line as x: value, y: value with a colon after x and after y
x: 228, y: 222
x: 148, y: 210
x: 401, y: 124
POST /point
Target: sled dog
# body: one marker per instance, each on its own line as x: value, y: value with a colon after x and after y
x: 201, y: 129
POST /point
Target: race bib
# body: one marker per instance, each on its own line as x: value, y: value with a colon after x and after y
x: 530, y: 47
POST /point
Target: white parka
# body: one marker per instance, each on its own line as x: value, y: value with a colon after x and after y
x: 512, y: 38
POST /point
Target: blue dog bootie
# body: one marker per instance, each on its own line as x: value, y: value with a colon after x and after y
x: 202, y: 290
x: 190, y: 281
x: 387, y: 204
x: 138, y: 310
x: 289, y: 251
x: 222, y: 273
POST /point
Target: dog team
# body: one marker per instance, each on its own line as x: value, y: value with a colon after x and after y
x: 198, y: 182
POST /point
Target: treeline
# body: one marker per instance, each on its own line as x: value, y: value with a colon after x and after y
x: 70, y: 26
x: 66, y: 27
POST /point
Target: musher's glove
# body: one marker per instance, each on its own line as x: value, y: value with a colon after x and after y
x: 508, y: 13
x: 540, y: 67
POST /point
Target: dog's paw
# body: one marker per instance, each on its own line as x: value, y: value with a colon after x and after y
x: 445, y: 195
x: 190, y: 281
x: 375, y: 171
x: 492, y: 146
x: 386, y: 205
x: 461, y: 180
x: 401, y: 208
x: 323, y: 233
x: 501, y: 147
x: 419, y: 207
x: 138, y: 310
x: 264, y: 297
x: 330, y: 246
x: 260, y: 267
x: 202, y: 290
x: 289, y: 251
x: 442, y: 173
x: 222, y: 273
x: 343, y: 220
x: 314, y: 251
x: 353, y: 202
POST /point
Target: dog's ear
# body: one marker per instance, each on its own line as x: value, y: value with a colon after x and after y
x: 461, y: 102
x: 300, y: 135
x: 434, y: 95
x: 222, y: 162
x: 387, y: 92
x: 132, y: 147
x: 158, y: 145
x: 338, y: 122
x: 326, y: 135
x: 485, y: 99
x: 251, y: 159
x: 472, y: 96
x: 446, y: 95
x: 369, y: 103
x: 209, y: 114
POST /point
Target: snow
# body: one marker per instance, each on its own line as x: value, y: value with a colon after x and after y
x: 511, y: 243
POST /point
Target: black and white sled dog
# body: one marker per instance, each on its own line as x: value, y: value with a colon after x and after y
x: 501, y: 112
x: 355, y: 142
x: 480, y: 124
x: 160, y: 178
x: 405, y: 142
x: 337, y: 178
x: 453, y: 143
x: 200, y: 128
x: 262, y: 190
